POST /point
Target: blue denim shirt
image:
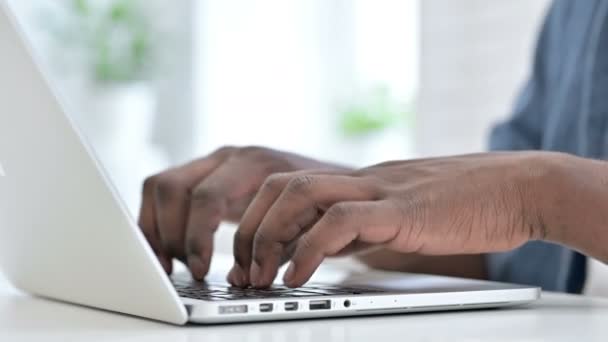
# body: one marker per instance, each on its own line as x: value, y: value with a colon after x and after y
x: 563, y: 107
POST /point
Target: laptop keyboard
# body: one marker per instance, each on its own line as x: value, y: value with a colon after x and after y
x: 219, y: 292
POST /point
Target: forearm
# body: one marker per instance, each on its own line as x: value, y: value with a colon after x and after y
x: 566, y: 202
x: 573, y: 204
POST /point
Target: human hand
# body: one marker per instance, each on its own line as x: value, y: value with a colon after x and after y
x: 182, y: 207
x: 458, y: 205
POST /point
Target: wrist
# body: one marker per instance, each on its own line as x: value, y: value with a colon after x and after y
x: 541, y: 187
x: 571, y: 196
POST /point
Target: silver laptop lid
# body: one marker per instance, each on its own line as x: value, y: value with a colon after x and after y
x: 63, y: 232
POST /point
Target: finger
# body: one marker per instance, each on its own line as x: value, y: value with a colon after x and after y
x: 148, y: 225
x: 345, y: 223
x: 167, y: 200
x: 243, y: 237
x: 299, y: 203
x: 172, y: 198
x: 209, y: 204
x: 268, y: 192
x: 354, y: 248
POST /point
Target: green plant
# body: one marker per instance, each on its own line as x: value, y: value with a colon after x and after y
x: 376, y: 112
x: 113, y: 37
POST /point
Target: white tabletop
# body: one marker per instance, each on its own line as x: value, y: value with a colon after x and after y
x: 556, y: 317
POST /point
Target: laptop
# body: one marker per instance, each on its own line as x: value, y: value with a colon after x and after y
x: 66, y: 235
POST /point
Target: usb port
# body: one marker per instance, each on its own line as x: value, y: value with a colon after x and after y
x: 291, y: 306
x: 319, y: 305
x: 266, y: 307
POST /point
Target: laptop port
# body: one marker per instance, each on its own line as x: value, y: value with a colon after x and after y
x: 319, y: 305
x: 291, y: 306
x: 266, y: 307
x: 233, y: 309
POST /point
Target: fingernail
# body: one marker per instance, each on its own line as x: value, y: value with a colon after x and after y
x: 289, y: 274
x: 196, y: 267
x: 255, y: 274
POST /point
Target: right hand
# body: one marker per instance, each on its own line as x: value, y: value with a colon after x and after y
x: 183, y: 207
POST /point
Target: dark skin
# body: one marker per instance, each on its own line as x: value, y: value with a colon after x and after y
x: 438, y: 215
x: 183, y: 207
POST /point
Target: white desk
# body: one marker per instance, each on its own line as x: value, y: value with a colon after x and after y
x: 554, y: 318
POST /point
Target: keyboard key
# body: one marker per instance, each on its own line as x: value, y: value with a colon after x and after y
x: 219, y: 291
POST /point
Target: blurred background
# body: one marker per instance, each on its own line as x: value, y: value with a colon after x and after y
x: 153, y: 83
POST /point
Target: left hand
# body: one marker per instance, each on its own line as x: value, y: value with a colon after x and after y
x: 458, y: 205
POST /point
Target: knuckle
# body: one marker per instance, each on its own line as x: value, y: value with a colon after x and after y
x: 224, y: 150
x: 266, y: 161
x: 263, y: 244
x: 300, y: 184
x: 166, y: 184
x: 149, y: 184
x: 273, y: 183
x: 306, y: 242
x: 260, y: 240
x: 207, y: 211
x: 193, y: 247
x: 376, y: 188
x: 264, y: 249
x: 202, y: 194
x: 252, y: 150
x: 210, y: 201
x: 338, y: 213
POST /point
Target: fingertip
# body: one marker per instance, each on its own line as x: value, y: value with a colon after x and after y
x: 304, y: 266
x: 254, y: 274
x: 242, y: 275
x: 245, y: 278
x: 197, y: 268
x: 288, y: 277
x: 166, y: 264
x: 234, y: 276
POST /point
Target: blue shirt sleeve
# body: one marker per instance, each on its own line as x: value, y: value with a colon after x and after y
x: 550, y: 266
